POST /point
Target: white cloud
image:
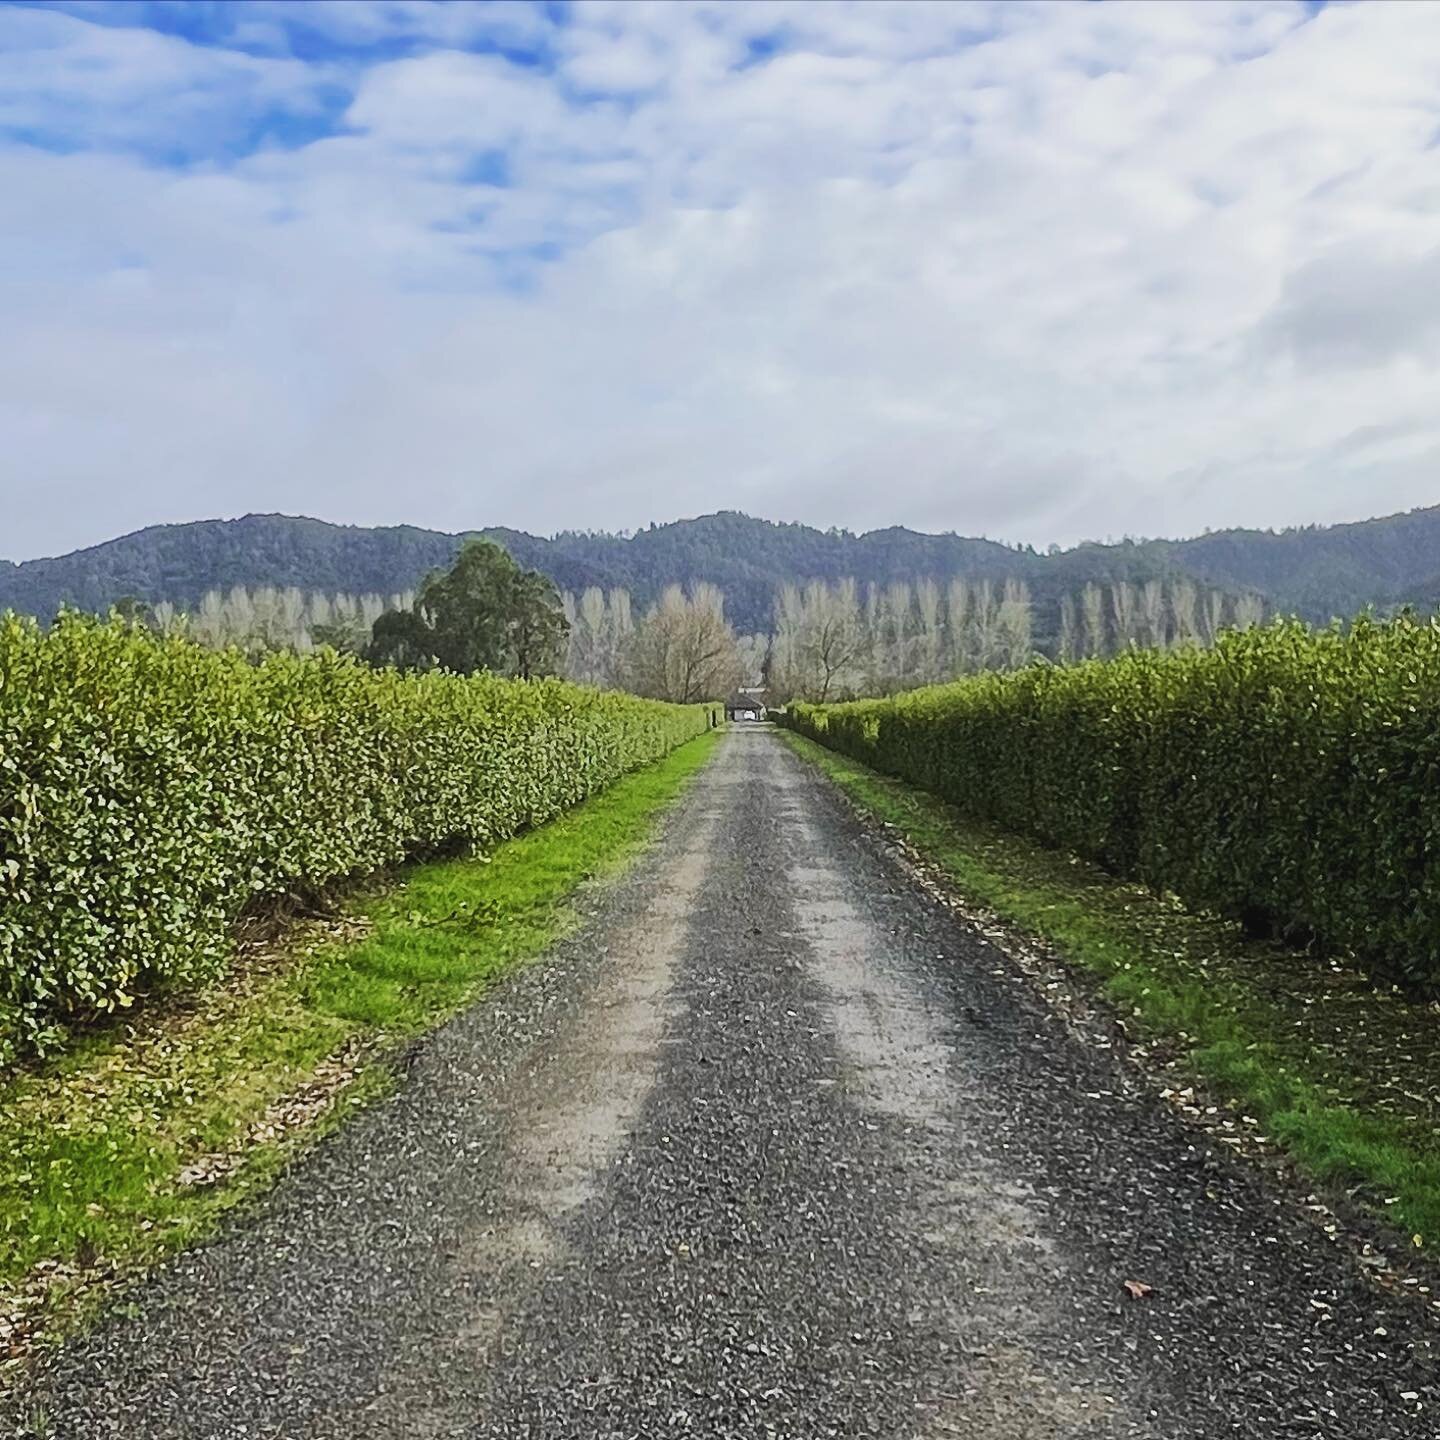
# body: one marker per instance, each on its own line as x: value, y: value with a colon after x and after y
x: 73, y: 83
x: 1043, y: 271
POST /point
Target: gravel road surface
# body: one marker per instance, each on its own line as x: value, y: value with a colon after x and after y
x: 775, y: 1145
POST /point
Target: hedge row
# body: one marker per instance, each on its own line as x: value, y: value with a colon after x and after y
x: 1286, y: 778
x: 150, y: 790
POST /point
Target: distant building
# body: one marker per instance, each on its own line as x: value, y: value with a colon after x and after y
x: 746, y: 705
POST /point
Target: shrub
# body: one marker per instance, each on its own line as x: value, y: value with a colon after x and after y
x: 1287, y: 778
x: 151, y: 790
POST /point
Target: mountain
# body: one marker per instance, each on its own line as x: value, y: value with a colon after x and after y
x: 1316, y: 571
x: 181, y: 562
x: 1323, y: 571
x: 747, y: 558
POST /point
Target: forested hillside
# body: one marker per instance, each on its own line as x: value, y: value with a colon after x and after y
x: 1320, y: 571
x: 1316, y: 572
x: 180, y: 563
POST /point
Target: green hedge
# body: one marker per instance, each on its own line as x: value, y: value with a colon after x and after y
x: 150, y: 790
x: 1287, y: 778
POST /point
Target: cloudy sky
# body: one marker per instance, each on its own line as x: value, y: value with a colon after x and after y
x: 1043, y: 272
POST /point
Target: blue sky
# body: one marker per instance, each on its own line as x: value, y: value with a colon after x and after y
x: 1046, y: 272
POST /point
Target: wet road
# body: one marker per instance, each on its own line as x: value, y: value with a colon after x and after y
x: 775, y: 1145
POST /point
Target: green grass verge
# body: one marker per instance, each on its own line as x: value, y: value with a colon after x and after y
x: 1344, y: 1076
x: 96, y: 1146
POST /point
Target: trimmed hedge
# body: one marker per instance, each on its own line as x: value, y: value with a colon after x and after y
x: 151, y: 790
x: 1287, y: 778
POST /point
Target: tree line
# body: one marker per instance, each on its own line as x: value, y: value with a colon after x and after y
x: 834, y: 639
x: 270, y: 617
x: 828, y: 639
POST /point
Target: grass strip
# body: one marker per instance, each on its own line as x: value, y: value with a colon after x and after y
x: 1343, y: 1075
x: 132, y: 1144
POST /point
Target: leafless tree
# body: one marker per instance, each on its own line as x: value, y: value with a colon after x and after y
x: 957, y: 618
x: 984, y: 646
x: 754, y: 651
x: 787, y: 676
x: 897, y: 629
x: 1249, y: 610
x: 1123, y: 608
x: 1069, y: 642
x: 819, y: 639
x: 1154, y: 627
x: 1014, y: 624
x: 1092, y: 607
x: 832, y: 633
x: 1214, y: 615
x: 1185, y: 610
x: 684, y: 650
x: 930, y: 636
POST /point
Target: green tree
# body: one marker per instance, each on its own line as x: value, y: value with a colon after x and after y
x: 484, y: 613
x: 135, y: 610
x: 402, y: 638
x: 344, y: 635
x: 537, y: 627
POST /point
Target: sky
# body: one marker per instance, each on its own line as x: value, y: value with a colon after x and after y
x: 1042, y: 272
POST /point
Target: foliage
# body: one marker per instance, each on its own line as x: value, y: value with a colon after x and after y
x: 1285, y: 777
x: 483, y: 613
x: 150, y: 790
x: 96, y: 1146
x: 1344, y: 1075
x: 537, y: 629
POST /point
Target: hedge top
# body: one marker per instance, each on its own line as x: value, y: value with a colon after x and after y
x: 150, y: 790
x: 1285, y: 777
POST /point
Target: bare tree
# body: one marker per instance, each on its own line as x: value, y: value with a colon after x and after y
x: 1092, y: 607
x: 874, y: 656
x: 754, y: 651
x: 1014, y: 622
x: 683, y: 650
x: 1185, y: 610
x: 619, y: 627
x: 890, y: 627
x: 957, y: 616
x: 592, y: 619
x: 788, y: 678
x: 584, y: 648
x: 268, y: 618
x: 983, y: 648
x: 1214, y: 615
x: 930, y: 639
x: 1249, y: 610
x: 832, y: 636
x: 1152, y: 609
x: 1069, y: 642
x: 1123, y: 607
x: 819, y: 639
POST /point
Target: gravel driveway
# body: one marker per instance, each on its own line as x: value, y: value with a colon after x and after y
x: 774, y: 1146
